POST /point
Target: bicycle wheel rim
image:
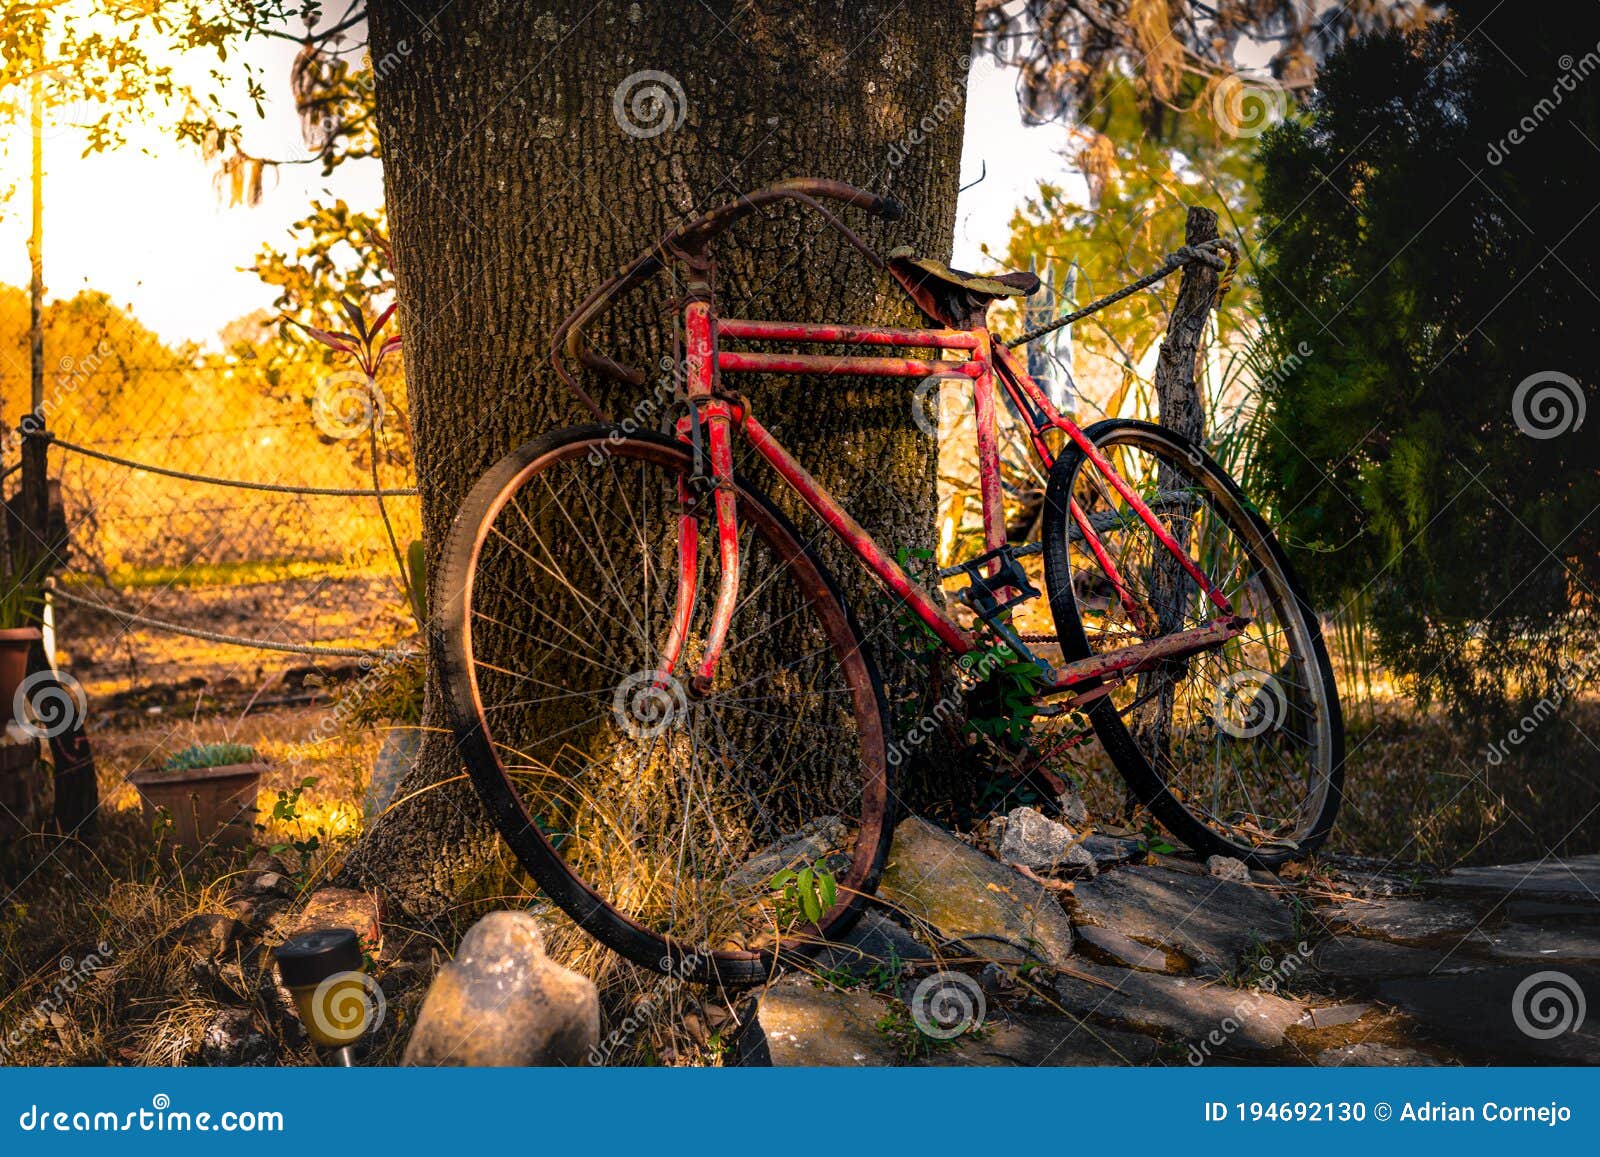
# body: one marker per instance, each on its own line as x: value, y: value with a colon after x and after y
x: 623, y: 916
x: 1278, y: 669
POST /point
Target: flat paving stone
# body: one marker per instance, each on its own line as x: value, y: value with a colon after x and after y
x: 1554, y: 944
x: 1116, y: 948
x: 1405, y: 921
x: 1334, y: 1015
x: 875, y: 943
x: 991, y: 909
x: 1576, y: 878
x: 797, y: 1023
x: 1494, y: 1013
x: 1363, y: 963
x: 1181, y: 1007
x: 1371, y: 1055
x: 1213, y: 922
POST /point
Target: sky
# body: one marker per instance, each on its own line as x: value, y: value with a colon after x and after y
x: 145, y: 225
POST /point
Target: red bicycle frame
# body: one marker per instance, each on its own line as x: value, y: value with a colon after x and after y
x: 715, y: 416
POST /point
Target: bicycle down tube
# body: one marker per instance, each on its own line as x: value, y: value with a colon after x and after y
x: 715, y: 417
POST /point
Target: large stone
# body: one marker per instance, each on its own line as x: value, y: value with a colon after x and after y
x: 1405, y: 921
x: 232, y: 1038
x: 1107, y: 945
x: 503, y: 1002
x: 875, y: 945
x: 1039, y: 844
x: 1217, y: 1021
x: 1554, y: 944
x: 1371, y: 1055
x: 796, y: 1023
x: 1109, y: 851
x: 1575, y: 879
x: 1362, y: 964
x: 1212, y: 922
x: 349, y: 908
x: 1506, y: 1014
x: 967, y: 897
x: 798, y: 849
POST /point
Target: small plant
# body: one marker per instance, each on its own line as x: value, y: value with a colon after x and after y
x: 286, y: 811
x: 808, y: 893
x: 198, y: 755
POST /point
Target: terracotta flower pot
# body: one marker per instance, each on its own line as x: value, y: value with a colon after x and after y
x: 207, y: 804
x: 14, y: 644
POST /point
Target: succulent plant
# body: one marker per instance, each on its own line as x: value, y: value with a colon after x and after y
x: 198, y: 755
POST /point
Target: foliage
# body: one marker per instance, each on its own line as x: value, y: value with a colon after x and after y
x: 805, y: 894
x: 390, y: 693
x: 1074, y: 55
x: 1432, y: 269
x: 286, y: 811
x: 198, y: 755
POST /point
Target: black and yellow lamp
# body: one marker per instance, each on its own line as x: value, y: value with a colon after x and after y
x: 338, y: 1002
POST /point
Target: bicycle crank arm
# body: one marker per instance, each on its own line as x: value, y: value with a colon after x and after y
x: 1115, y: 666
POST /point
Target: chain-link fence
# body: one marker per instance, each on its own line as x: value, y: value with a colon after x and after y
x: 208, y: 500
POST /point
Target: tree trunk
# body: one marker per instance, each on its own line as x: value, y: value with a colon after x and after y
x: 1176, y: 393
x: 524, y: 163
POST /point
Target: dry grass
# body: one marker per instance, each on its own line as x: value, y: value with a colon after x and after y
x: 1418, y: 791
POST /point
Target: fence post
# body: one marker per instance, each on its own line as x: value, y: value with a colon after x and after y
x: 1177, y: 394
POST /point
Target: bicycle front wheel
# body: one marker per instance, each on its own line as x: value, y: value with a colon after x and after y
x: 707, y: 834
x: 1239, y: 750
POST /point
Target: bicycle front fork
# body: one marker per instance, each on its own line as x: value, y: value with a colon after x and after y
x: 707, y: 429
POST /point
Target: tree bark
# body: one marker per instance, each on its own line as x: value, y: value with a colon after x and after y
x: 520, y: 171
x: 1178, y: 396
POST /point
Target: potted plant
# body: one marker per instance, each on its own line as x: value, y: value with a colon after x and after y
x: 209, y: 790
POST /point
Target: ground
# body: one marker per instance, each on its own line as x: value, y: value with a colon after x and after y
x: 130, y: 951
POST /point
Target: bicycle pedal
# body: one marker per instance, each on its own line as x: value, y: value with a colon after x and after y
x: 985, y: 593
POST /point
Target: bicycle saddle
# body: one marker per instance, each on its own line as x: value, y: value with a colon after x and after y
x: 953, y: 296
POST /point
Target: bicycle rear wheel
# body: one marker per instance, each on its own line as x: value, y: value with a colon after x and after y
x: 1238, y: 751
x: 655, y: 816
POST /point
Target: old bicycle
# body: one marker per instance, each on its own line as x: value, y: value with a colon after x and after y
x: 676, y: 721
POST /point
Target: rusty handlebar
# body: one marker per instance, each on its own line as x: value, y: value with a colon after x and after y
x: 691, y: 242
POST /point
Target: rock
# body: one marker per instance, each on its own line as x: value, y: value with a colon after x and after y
x: 797, y: 1024
x: 503, y: 1002
x: 343, y: 908
x: 1369, y: 1055
x: 1109, y: 946
x: 1228, y: 868
x: 1026, y: 837
x: 1504, y: 1013
x: 1073, y: 810
x: 1334, y: 1015
x: 209, y: 935
x: 1575, y: 880
x: 1109, y: 851
x: 998, y: 914
x: 233, y: 1038
x: 996, y: 980
x: 1215, y: 1020
x: 1364, y: 963
x: 1046, y: 1042
x: 1212, y: 922
x: 875, y: 944
x: 1405, y: 921
x: 266, y: 862
x: 797, y: 849
x: 1527, y: 942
